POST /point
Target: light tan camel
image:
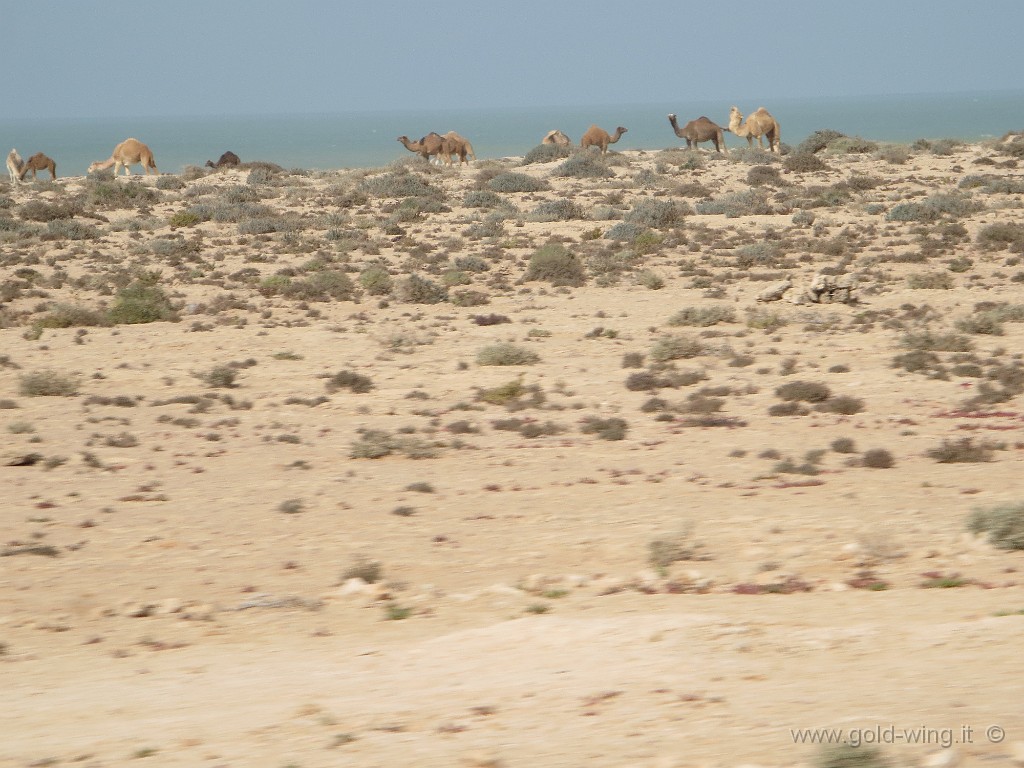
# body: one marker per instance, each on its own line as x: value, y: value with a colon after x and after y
x: 460, y: 146
x: 598, y: 137
x: 760, y: 124
x: 557, y: 138
x: 38, y: 162
x: 14, y: 163
x: 229, y: 158
x: 128, y: 152
x: 431, y: 145
x: 699, y: 130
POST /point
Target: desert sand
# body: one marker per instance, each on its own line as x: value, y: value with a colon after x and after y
x: 482, y: 477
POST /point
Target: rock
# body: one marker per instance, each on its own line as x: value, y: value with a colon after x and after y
x: 776, y: 291
x: 353, y: 587
x: 826, y: 289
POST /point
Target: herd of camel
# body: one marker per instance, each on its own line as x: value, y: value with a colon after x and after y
x: 759, y: 124
x: 129, y: 152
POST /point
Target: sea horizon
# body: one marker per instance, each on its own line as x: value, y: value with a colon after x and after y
x: 342, y: 140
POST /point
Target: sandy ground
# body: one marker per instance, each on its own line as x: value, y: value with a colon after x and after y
x: 177, y: 581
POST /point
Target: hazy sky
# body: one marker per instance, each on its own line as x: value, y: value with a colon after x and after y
x: 75, y: 58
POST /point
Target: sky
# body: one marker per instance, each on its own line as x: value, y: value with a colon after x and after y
x: 110, y: 58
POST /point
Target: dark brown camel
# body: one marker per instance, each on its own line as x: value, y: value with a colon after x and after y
x: 229, y: 158
x: 701, y: 129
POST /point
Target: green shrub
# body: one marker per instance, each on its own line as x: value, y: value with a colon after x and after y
x: 220, y: 377
x: 932, y: 342
x: 584, y: 165
x: 185, y: 219
x: 354, y: 382
x: 112, y: 193
x: 1004, y: 525
x: 843, y: 445
x: 962, y: 451
x: 557, y: 210
x: 142, y: 302
x: 764, y: 176
x: 703, y: 317
x: 803, y: 391
x: 878, y: 458
x: 675, y: 347
x: 753, y: 255
x: 376, y: 280
x: 657, y: 214
x: 506, y: 354
x: 930, y: 281
x: 752, y: 202
x: 804, y: 162
x: 557, y: 265
x: 416, y: 289
x: 47, y: 383
x: 606, y: 429
x: 847, y: 756
x: 841, y: 404
x: 42, y: 211
x: 71, y: 316
x: 401, y: 183
x: 510, y: 181
x: 934, y: 207
x: 482, y: 198
x: 265, y: 225
x: 818, y: 141
x: 546, y: 153
x: 169, y: 181
x: 895, y: 154
x: 1002, y: 235
x: 852, y: 145
x: 625, y: 231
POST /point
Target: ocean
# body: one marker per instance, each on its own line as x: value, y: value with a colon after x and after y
x: 367, y: 140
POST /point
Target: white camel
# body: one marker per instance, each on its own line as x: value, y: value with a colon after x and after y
x: 14, y: 165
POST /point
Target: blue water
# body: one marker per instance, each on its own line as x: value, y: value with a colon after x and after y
x: 366, y: 140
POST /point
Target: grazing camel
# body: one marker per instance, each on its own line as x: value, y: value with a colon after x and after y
x: 14, y: 164
x: 557, y: 138
x: 128, y: 152
x: 38, y: 162
x: 598, y: 137
x: 760, y: 124
x: 229, y: 158
x: 431, y: 145
x: 701, y: 129
x: 460, y: 146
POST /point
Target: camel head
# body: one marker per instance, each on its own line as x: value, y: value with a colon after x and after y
x: 735, y: 118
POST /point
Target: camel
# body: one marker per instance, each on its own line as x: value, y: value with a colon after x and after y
x: 557, y: 138
x: 759, y: 124
x: 14, y: 164
x: 431, y: 145
x: 598, y: 137
x: 227, y: 159
x: 128, y: 152
x: 38, y: 162
x: 460, y: 146
x: 701, y: 129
